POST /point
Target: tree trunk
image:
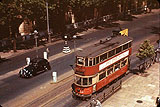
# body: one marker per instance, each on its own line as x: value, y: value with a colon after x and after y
x: 14, y: 45
x: 96, y: 17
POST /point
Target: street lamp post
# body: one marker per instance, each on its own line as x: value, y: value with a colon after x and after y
x: 36, y: 41
x: 74, y: 37
x: 49, y: 35
x: 158, y: 52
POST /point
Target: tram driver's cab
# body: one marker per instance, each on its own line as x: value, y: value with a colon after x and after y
x: 83, y: 84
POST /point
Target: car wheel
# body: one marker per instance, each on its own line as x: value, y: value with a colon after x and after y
x: 31, y: 75
x: 45, y: 68
x: 49, y: 67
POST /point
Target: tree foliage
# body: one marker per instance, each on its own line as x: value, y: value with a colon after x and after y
x: 146, y: 50
x: 12, y: 12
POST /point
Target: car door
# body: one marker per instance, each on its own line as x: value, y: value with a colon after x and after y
x: 40, y: 65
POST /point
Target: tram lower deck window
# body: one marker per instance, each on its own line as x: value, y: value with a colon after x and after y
x: 130, y: 44
x: 117, y: 67
x: 84, y: 81
x: 90, y: 80
x: 103, y: 75
x: 78, y: 80
x: 90, y: 62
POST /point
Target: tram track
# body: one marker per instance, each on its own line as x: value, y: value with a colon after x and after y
x: 53, y: 94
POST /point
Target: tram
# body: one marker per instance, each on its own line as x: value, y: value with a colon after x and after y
x: 100, y: 64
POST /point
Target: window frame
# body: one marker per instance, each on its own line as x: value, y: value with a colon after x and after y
x: 102, y: 75
x: 120, y: 47
x: 110, y: 70
x: 112, y: 54
x: 94, y: 61
x: 97, y: 60
x: 103, y: 56
x: 86, y: 61
x: 124, y: 48
x: 82, y: 61
x: 90, y: 63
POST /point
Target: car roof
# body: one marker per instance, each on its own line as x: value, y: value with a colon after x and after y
x: 29, y: 67
x: 37, y: 60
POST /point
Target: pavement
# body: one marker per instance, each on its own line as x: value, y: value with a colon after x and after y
x: 137, y: 91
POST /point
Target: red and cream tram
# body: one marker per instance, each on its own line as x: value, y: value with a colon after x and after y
x: 100, y: 64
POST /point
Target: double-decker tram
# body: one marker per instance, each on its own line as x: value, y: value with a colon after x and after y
x: 100, y: 64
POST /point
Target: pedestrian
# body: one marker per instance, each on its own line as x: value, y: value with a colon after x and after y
x: 98, y: 103
x: 158, y: 102
x: 93, y: 103
x: 47, y: 50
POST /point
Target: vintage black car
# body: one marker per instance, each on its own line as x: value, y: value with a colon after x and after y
x: 36, y: 66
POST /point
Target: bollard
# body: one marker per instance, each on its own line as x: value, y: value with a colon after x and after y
x: 45, y: 55
x: 54, y: 75
x: 28, y: 60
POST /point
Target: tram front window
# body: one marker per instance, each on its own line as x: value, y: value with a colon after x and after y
x: 78, y: 80
x: 84, y: 81
x: 80, y: 61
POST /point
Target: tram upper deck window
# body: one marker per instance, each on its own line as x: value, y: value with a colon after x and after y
x: 119, y: 49
x: 103, y: 75
x: 90, y: 62
x: 86, y: 61
x: 125, y: 46
x: 111, y: 53
x: 84, y: 81
x: 97, y: 59
x: 80, y: 61
x: 103, y: 57
x: 130, y: 44
x: 94, y: 61
x: 110, y: 70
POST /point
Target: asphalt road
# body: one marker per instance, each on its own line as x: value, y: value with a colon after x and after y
x: 143, y: 27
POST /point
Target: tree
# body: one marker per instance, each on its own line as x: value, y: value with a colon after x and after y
x: 13, y: 12
x: 145, y: 51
